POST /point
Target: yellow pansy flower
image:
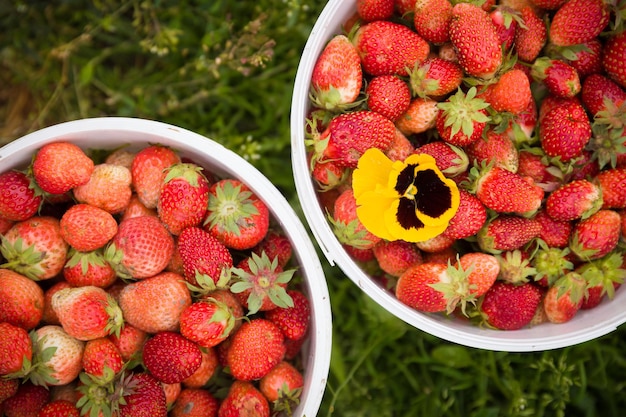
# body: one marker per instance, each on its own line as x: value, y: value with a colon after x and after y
x: 407, y: 200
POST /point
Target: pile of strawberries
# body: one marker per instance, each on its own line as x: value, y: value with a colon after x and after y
x: 141, y: 284
x: 523, y: 104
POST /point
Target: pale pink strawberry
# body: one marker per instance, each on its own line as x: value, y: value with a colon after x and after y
x: 435, y: 244
x: 121, y: 156
x: 109, y: 188
x: 564, y: 298
x: 419, y: 117
x: 60, y: 166
x: 148, y: 172
x: 86, y: 227
x: 135, y: 208
x: 129, y: 342
x: 400, y: 148
x: 57, y: 356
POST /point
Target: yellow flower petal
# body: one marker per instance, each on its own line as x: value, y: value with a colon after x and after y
x: 371, y: 209
x: 372, y: 170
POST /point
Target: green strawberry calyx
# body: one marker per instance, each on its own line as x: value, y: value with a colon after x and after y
x: 229, y: 207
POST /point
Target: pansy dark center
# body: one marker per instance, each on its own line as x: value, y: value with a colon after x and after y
x: 423, y: 191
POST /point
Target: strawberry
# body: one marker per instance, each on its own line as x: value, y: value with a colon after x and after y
x: 438, y: 243
x: 415, y: 287
x: 108, y: 188
x: 21, y: 300
x: 171, y: 357
x: 420, y: 116
x: 121, y: 156
x: 18, y: 200
x: 451, y: 160
x: 35, y: 248
x: 554, y: 233
x: 578, y: 21
x: 548, y: 4
x: 509, y: 306
x: 143, y: 396
x: 597, y: 235
x: 397, y: 256
x: 16, y: 350
x: 515, y: 266
x: 255, y: 349
x: 550, y: 263
x: 505, y: 20
x: 60, y: 166
x: 612, y: 183
x: 141, y: 248
x: 328, y: 174
x: 404, y: 6
x: 435, y: 77
x: 401, y: 147
x: 495, y: 148
x: 87, y: 313
x: 57, y: 356
x: 603, y: 277
x: 102, y: 359
x: 282, y: 386
x: 148, y: 172
x: 260, y: 284
x: 388, y: 95
x: 8, y: 388
x: 560, y: 78
x: 207, y: 322
x: 204, y: 257
x: 129, y: 342
x: 533, y: 165
x: 574, y: 200
x: 613, y: 58
x: 88, y: 268
x: 59, y: 408
x: 244, y: 398
x: 292, y: 321
x: 511, y: 93
x: 5, y: 225
x: 462, y: 117
x: 531, y: 36
x: 507, y: 232
x: 564, y: 131
x: 346, y: 225
x: 275, y: 244
x: 135, y: 208
x: 469, y: 218
x: 504, y: 191
x: 86, y: 228
x: 236, y: 215
x: 337, y: 76
x: 195, y: 402
x: 476, y: 40
x: 370, y: 10
x: 564, y: 298
x: 27, y: 402
x: 169, y: 297
x: 184, y: 197
x: 586, y: 60
x: 349, y: 135
x: 596, y: 89
x: 481, y: 271
x: 522, y: 125
x: 388, y: 48
x: 431, y: 19
x: 206, y: 370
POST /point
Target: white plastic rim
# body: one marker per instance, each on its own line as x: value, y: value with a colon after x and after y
x: 111, y: 132
x: 587, y: 325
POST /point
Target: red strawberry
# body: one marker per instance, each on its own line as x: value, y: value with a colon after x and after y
x: 244, y: 398
x: 578, y: 21
x: 169, y: 296
x: 555, y: 233
x: 612, y: 183
x: 496, y: 148
x: 462, y: 117
x: 505, y: 20
x: 16, y: 350
x: 435, y: 244
x: 588, y: 59
x: 346, y: 225
x: 431, y: 19
x: 469, y: 218
x: 564, y: 131
x: 282, y: 386
x: 275, y: 244
x: 57, y: 356
x: 35, y: 248
x: 18, y: 201
x: 613, y: 58
x: 370, y: 10
x: 481, y: 272
x: 597, y: 235
x: 88, y: 268
x: 87, y: 313
x: 548, y: 4
x: 255, y: 349
x: 603, y: 278
x: 414, y: 287
x: 236, y: 215
x: 8, y: 388
x: 207, y: 369
x: 141, y: 248
x: 148, y: 172
x: 143, y: 396
x: 511, y: 93
x: 564, y: 298
x: 507, y: 232
x: 506, y: 192
x: 207, y: 322
x: 337, y: 76
x: 596, y: 89
x: 522, y: 125
x: 560, y: 78
x: 171, y: 357
x: 420, y: 116
x: 574, y: 200
x: 184, y: 197
x: 476, y: 40
x: 59, y: 408
x: 108, y: 188
x: 451, y: 160
x: 204, y: 257
x: 388, y: 95
x: 531, y: 36
x: 27, y: 402
x: 388, y: 48
x: 328, y: 174
x: 135, y: 208
x: 102, y: 359
x: 60, y: 166
x: 510, y: 306
x: 436, y: 77
x: 397, y: 256
x: 292, y: 321
x: 129, y: 342
x: 21, y: 300
x: 195, y: 402
x: 86, y: 228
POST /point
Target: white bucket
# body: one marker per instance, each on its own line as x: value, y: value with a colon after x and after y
x: 587, y: 325
x: 111, y: 132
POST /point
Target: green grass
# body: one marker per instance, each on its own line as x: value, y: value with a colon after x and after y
x: 225, y: 69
